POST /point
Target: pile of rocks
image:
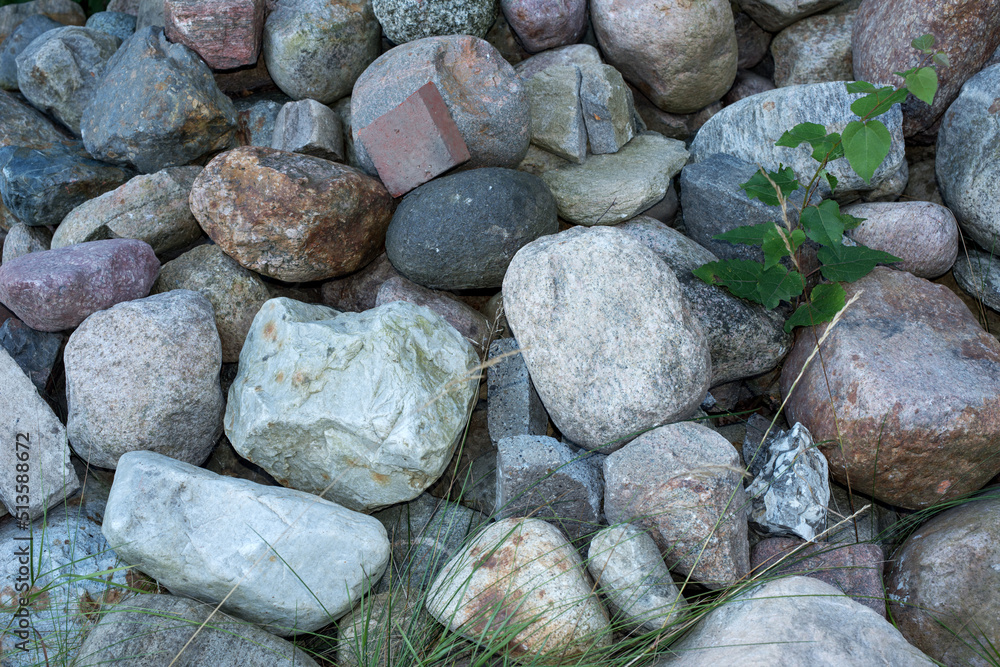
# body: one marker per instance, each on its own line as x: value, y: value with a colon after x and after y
x: 256, y: 261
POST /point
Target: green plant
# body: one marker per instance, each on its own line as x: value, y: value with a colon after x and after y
x: 864, y: 143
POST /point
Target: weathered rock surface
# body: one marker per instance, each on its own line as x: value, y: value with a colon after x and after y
x: 310, y: 128
x: 173, y: 521
x: 18, y: 41
x: 372, y: 414
x: 385, y: 626
x: 746, y: 84
x: 36, y: 352
x: 116, y: 24
x: 608, y: 108
x: 468, y: 321
x: 359, y: 291
x: 814, y: 50
x: 572, y: 54
x: 290, y: 216
x: 557, y: 122
x: 23, y: 240
x: 144, y: 375
x: 773, y: 15
x: 682, y: 483
x: 922, y: 234
x: 405, y: 21
x: 543, y: 24
x: 66, y: 12
x: 22, y: 125
x: 752, y: 41
x: 906, y: 437
x: 225, y: 34
x: 978, y: 273
x: 514, y: 406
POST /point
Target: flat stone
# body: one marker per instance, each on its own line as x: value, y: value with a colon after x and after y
x: 576, y: 302
x: 608, y: 108
x: 36, y: 352
x: 316, y: 49
x: 23, y: 240
x: 922, y: 234
x: 144, y: 375
x: 290, y: 216
x: 41, y: 186
x: 65, y: 12
x: 59, y: 71
x: 557, y: 122
x: 514, y: 406
x: 145, y: 629
x: 681, y: 55
x: 116, y: 24
x: 172, y: 521
x: 522, y: 577
x: 225, y: 34
x: 682, y: 483
x: 816, y: 49
x: 135, y: 119
x: 541, y: 25
x: 608, y: 189
x: 236, y: 294
x: 57, y: 289
x: 461, y: 231
x: 25, y: 33
x: 484, y: 96
x: 541, y: 477
x: 389, y: 391
x: 572, y: 54
x: 310, y: 128
x: 149, y: 207
x: 773, y: 15
x: 405, y: 21
x: 631, y: 575
x: 36, y: 457
x: 901, y: 435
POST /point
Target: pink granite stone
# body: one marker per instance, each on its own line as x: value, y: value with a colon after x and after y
x: 225, y: 33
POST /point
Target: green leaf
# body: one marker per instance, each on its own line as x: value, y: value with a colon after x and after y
x: 758, y: 186
x: 750, y: 280
x: 827, y: 300
x: 923, y: 84
x: 923, y: 43
x: 823, y: 223
x: 941, y: 58
x: 866, y: 145
x: 850, y: 263
x: 877, y: 103
x: 748, y: 235
x: 860, y: 87
x: 830, y: 178
x: 802, y: 132
x: 775, y: 247
x: 850, y: 222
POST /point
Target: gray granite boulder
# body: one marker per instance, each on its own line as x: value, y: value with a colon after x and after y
x: 372, y: 413
x: 18, y: 41
x: 405, y: 21
x: 608, y: 108
x: 116, y: 24
x: 65, y: 12
x: 309, y: 127
x: 283, y: 559
x: 814, y: 50
x: 23, y: 240
x: 557, y: 123
x: 572, y: 54
x: 144, y: 375
x: 22, y: 125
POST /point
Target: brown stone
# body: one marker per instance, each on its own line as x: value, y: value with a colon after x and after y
x: 910, y: 385
x: 225, y: 33
x: 290, y: 216
x: 968, y: 32
x: 922, y: 234
x: 245, y: 79
x: 357, y: 292
x: 751, y: 40
x: 546, y: 24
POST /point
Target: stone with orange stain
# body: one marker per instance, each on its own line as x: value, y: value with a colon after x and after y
x: 522, y: 572
x: 924, y: 423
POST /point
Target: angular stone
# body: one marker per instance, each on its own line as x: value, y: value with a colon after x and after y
x: 484, y: 96
x: 943, y: 584
x: 36, y: 352
x: 289, y: 216
x: 41, y: 186
x: 23, y: 240
x: 150, y: 207
x: 235, y: 293
x: 752, y: 41
x: 792, y: 491
x: 968, y: 158
x: 405, y: 21
x: 21, y: 125
x: 414, y: 142
x: 57, y: 289
x: 388, y: 392
x: 135, y: 119
x: 36, y: 446
x: 573, y: 54
x: 901, y: 436
x: 225, y: 34
x: 922, y: 234
x: 310, y: 128
x: 461, y: 231
x: 172, y: 521
x: 968, y: 32
x: 60, y: 71
x: 978, y: 273
x: 541, y: 477
x: 794, y: 621
x: 342, y: 108
x: 682, y: 482
x: 748, y: 129
x: 608, y: 109
x: 514, y: 406
x: 255, y: 120
x: 607, y: 189
x: 576, y: 302
x: 629, y: 571
x: 522, y: 577
x: 316, y: 49
x: 149, y: 628
x: 855, y: 569
x: 359, y: 291
x: 149, y: 14
x: 18, y: 41
x: 814, y: 50
x: 773, y: 15
x: 557, y: 122
x: 65, y: 12
x: 682, y: 55
x: 116, y: 24
x: 144, y: 375
x: 543, y: 24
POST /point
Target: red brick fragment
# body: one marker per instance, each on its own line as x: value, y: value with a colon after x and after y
x: 225, y: 33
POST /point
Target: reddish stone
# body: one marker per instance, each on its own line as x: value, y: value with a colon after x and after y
x: 414, y: 142
x: 545, y: 24
x: 225, y: 33
x: 244, y: 79
x: 357, y: 292
x: 856, y: 569
x: 57, y: 289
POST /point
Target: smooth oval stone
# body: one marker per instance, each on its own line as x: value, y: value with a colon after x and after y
x: 65, y: 12
x: 118, y: 24
x: 58, y: 289
x: 406, y: 21
x: 18, y: 41
x: 484, y: 96
x: 290, y: 216
x: 544, y: 24
x: 922, y: 234
x: 316, y: 49
x: 461, y: 231
x: 156, y: 107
